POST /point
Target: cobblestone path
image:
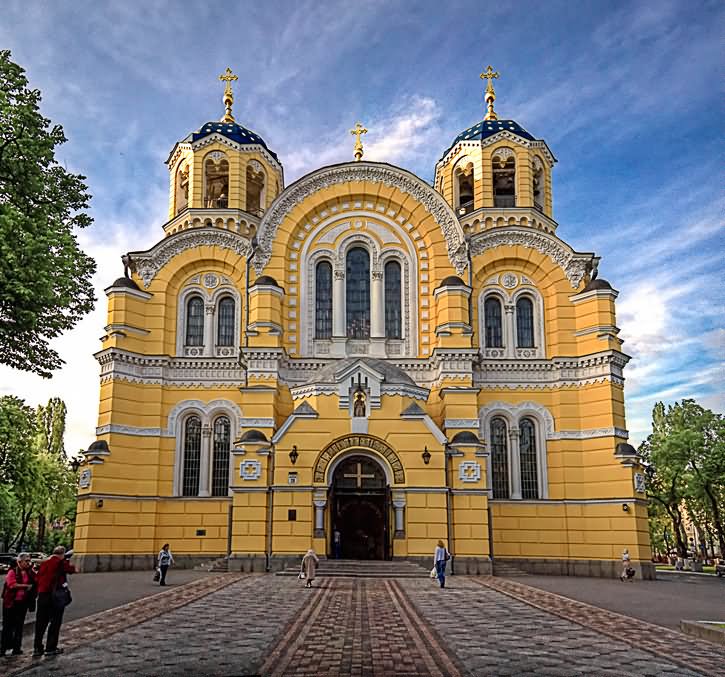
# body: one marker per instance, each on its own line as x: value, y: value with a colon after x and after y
x: 235, y: 625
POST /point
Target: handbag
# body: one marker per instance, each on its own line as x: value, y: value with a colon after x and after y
x: 433, y: 573
x: 157, y: 575
x: 301, y: 575
x: 61, y: 597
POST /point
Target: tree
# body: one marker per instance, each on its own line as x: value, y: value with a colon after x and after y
x: 45, y: 278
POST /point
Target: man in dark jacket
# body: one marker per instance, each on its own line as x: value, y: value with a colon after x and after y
x: 51, y: 577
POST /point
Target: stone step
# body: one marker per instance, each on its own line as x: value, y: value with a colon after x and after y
x: 507, y: 570
x: 362, y: 569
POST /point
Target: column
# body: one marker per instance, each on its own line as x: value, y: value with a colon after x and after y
x: 205, y: 460
x: 508, y: 331
x: 319, y: 500
x: 399, y: 505
x: 339, y: 322
x: 514, y: 463
x: 209, y: 330
x: 377, y: 315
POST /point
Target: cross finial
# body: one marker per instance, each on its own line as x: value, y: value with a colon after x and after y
x: 490, y: 96
x: 228, y: 98
x: 359, y: 129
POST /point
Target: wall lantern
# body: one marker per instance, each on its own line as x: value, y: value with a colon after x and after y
x: 294, y: 454
x: 625, y: 507
x: 426, y: 456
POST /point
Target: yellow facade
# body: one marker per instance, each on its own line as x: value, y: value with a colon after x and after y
x: 364, y: 355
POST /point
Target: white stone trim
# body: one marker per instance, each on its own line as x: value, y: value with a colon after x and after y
x: 357, y: 172
x: 461, y: 423
x: 144, y: 295
x: 574, y: 264
x: 594, y: 294
x: 115, y: 428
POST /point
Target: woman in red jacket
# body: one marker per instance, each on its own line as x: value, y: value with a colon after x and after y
x: 17, y: 595
x: 51, y: 577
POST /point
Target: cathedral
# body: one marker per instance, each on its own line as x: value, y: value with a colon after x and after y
x: 362, y: 363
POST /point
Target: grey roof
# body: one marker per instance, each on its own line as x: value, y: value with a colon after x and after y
x: 305, y: 409
x: 412, y: 410
x: 391, y: 373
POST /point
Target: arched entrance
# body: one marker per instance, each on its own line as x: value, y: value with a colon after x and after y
x: 360, y: 500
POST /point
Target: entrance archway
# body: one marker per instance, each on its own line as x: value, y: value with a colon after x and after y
x: 360, y: 500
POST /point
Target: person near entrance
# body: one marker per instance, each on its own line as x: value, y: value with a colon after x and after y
x: 309, y: 567
x: 440, y: 559
x: 337, y: 543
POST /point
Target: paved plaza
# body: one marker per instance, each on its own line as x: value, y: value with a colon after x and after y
x: 236, y: 624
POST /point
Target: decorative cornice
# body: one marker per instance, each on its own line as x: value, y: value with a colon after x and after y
x: 357, y: 172
x: 148, y: 263
x: 574, y: 264
x: 127, y: 290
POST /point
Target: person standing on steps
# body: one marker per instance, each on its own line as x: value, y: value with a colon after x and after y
x: 309, y: 567
x: 440, y: 559
x: 165, y: 560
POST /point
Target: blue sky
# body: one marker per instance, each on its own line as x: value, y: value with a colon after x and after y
x: 626, y: 94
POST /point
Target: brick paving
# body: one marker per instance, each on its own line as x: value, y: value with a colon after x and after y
x: 233, y: 625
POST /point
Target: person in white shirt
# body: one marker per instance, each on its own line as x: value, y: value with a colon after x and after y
x: 166, y: 559
x: 440, y: 557
x: 625, y: 565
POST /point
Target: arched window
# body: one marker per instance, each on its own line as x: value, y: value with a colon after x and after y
x: 182, y: 187
x: 492, y: 317
x: 464, y: 179
x: 504, y: 178
x: 527, y: 451
x: 220, y: 458
x: 225, y: 322
x: 256, y: 179
x: 192, y: 456
x: 524, y: 323
x: 537, y: 178
x: 357, y: 283
x: 499, y: 459
x: 323, y: 300
x: 195, y: 321
x: 216, y: 180
x: 393, y: 318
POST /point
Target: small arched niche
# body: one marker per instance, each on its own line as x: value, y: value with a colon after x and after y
x: 504, y: 178
x: 538, y: 183
x: 216, y: 180
x: 182, y: 187
x: 256, y: 183
x: 463, y: 181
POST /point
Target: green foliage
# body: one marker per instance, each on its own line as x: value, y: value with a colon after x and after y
x: 38, y: 484
x: 686, y: 458
x: 45, y: 279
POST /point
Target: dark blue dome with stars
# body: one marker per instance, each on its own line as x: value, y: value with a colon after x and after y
x: 487, y: 128
x: 234, y: 132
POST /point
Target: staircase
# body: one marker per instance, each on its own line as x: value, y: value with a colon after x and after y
x: 220, y: 565
x: 507, y: 570
x: 363, y: 569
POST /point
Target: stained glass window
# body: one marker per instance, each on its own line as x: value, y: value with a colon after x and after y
x: 393, y: 319
x: 524, y: 323
x: 492, y: 318
x: 357, y: 282
x: 192, y: 456
x: 527, y: 450
x: 220, y: 458
x: 195, y: 321
x: 323, y: 300
x: 225, y: 322
x: 499, y: 459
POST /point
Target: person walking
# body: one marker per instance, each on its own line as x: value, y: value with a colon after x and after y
x: 309, y: 567
x: 165, y: 560
x: 337, y: 542
x: 18, y: 595
x: 625, y: 565
x: 52, y: 579
x: 440, y: 558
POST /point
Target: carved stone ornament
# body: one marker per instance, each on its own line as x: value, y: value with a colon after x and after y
x: 640, y: 485
x: 509, y: 280
x: 211, y: 280
x: 372, y: 173
x: 84, y: 481
x: 250, y: 469
x: 573, y: 264
x: 147, y: 264
x: 469, y: 471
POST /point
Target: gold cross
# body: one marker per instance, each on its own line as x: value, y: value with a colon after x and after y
x: 360, y: 476
x: 359, y: 129
x: 228, y: 98
x: 490, y: 96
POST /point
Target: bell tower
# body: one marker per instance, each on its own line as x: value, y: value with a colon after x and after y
x: 222, y: 174
x: 498, y: 167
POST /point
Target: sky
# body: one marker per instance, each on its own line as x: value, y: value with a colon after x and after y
x: 626, y: 94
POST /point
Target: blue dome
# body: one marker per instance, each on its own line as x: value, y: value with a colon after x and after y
x: 487, y: 128
x: 232, y: 131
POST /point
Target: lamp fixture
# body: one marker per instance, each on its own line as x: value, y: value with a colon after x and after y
x: 426, y: 456
x: 294, y: 454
